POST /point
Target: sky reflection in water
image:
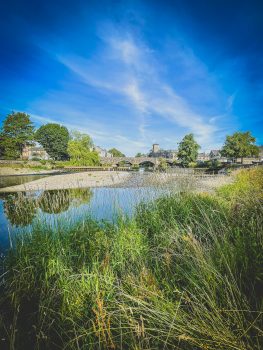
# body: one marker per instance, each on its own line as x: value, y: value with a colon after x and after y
x: 20, y: 210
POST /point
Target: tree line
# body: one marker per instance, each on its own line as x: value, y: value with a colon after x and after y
x: 18, y: 130
x: 238, y: 145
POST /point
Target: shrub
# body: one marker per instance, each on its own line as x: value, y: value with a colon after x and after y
x: 192, y: 165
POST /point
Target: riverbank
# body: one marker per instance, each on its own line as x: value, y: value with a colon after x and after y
x: 120, y: 179
x: 14, y: 171
x: 74, y: 180
x: 184, y: 272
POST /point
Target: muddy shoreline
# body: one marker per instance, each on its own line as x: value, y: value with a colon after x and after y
x: 119, y: 179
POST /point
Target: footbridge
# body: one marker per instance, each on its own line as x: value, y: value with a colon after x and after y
x: 130, y: 161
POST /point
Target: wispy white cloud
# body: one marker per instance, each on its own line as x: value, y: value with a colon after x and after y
x: 134, y: 75
x: 152, y: 101
x: 100, y: 135
x: 230, y: 102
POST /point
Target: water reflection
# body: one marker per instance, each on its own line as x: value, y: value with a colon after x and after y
x: 21, y: 208
x: 54, y: 202
x: 58, y: 201
x: 6, y: 181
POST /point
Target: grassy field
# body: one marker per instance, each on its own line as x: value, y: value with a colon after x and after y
x: 184, y: 273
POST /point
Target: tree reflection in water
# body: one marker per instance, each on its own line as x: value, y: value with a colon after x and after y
x: 54, y: 202
x: 80, y: 196
x: 21, y: 208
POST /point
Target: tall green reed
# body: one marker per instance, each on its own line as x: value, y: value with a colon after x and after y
x: 184, y: 273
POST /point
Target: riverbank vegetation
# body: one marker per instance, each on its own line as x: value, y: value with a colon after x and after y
x: 18, y: 133
x: 80, y: 150
x: 184, y: 273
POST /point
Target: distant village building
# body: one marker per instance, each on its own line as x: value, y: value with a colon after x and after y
x: 203, y: 157
x: 157, y: 152
x: 102, y: 152
x: 214, y: 154
x: 34, y: 152
x: 155, y: 148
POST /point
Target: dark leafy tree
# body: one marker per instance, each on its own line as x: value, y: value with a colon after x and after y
x: 116, y: 153
x: 54, y: 138
x: 240, y: 145
x: 17, y: 131
x: 188, y: 150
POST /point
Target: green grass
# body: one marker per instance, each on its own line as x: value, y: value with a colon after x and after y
x: 184, y: 273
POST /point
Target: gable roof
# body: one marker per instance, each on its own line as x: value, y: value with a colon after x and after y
x: 215, y: 152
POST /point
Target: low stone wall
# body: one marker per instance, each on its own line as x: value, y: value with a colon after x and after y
x: 7, y: 162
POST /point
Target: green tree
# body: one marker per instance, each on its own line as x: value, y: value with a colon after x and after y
x: 240, y: 145
x: 54, y: 138
x: 139, y: 154
x: 188, y: 150
x: 116, y: 153
x: 1, y: 147
x: 76, y: 135
x: 162, y: 164
x: 80, y: 150
x: 17, y: 131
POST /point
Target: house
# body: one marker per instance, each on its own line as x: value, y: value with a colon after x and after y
x: 203, y: 157
x: 214, y: 154
x: 157, y: 152
x: 34, y: 152
x: 102, y: 152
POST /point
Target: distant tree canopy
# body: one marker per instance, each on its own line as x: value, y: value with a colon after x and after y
x: 16, y: 132
x: 54, y: 138
x: 139, y: 154
x: 240, y: 145
x: 188, y: 150
x: 80, y: 150
x: 76, y: 135
x: 116, y: 153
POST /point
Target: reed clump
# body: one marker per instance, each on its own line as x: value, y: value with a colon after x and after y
x: 184, y: 273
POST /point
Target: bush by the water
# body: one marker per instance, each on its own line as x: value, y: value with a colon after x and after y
x: 184, y: 273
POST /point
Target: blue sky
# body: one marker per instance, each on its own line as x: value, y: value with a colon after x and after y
x: 131, y: 73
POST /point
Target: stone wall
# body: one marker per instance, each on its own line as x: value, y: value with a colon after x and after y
x: 8, y: 162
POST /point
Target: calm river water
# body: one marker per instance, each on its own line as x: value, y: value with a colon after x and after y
x: 21, y: 210
x: 13, y: 180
